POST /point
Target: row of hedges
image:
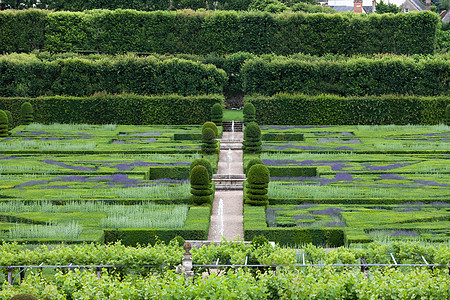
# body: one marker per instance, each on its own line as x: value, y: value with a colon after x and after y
x: 116, y: 109
x: 356, y: 76
x: 302, y: 109
x: 255, y: 225
x: 196, y: 227
x: 27, y: 76
x: 204, y: 32
x: 144, y: 5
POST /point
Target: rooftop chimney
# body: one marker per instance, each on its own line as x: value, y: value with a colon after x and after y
x: 374, y: 3
x: 428, y: 4
x: 357, y: 6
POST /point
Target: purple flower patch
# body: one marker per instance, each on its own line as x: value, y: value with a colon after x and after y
x: 392, y: 176
x: 149, y: 133
x: 10, y: 157
x: 304, y: 206
x: 330, y: 211
x: 384, y: 168
x: 55, y: 187
x: 334, y: 133
x: 336, y: 224
x: 431, y: 183
x: 33, y: 133
x: 7, y: 139
x: 404, y: 233
x: 336, y: 140
x: 61, y: 164
x: 302, y: 217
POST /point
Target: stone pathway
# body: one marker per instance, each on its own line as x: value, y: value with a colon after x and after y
x: 227, y: 216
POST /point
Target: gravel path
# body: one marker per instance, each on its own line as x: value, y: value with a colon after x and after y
x: 227, y: 218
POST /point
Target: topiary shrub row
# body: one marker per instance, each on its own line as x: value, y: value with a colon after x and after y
x: 204, y: 32
x: 299, y: 109
x: 258, y: 178
x: 200, y: 179
x: 209, y: 135
x: 3, y: 124
x: 249, y: 113
x: 118, y: 109
x: 217, y: 114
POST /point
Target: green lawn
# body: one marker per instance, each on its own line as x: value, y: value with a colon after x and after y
x: 231, y: 114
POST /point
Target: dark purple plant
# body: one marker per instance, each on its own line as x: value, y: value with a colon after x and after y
x: 336, y: 224
x: 404, y: 233
x: 330, y: 211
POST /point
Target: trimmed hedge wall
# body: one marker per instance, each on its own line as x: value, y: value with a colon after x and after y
x: 117, y: 109
x: 301, y: 109
x: 27, y: 75
x: 354, y: 76
x: 196, y: 227
x: 204, y: 32
x: 255, y: 225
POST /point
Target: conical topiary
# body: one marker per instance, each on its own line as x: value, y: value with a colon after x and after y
x: 252, y: 138
x: 26, y: 111
x: 252, y: 162
x: 202, y: 162
x: 249, y: 112
x: 200, y: 185
x: 217, y: 114
x: 10, y: 121
x: 257, y: 186
x: 3, y: 124
x: 209, y: 144
x: 213, y: 127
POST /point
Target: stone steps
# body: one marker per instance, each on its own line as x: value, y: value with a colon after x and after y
x: 228, y: 182
x: 228, y: 126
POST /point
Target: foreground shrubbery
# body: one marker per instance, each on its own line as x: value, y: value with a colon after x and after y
x: 311, y: 283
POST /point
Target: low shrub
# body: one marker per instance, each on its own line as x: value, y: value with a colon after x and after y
x: 202, y: 162
x: 249, y: 112
x: 257, y: 184
x: 252, y: 138
x: 3, y: 124
x: 26, y: 111
x: 217, y: 114
x: 200, y: 185
x: 209, y: 144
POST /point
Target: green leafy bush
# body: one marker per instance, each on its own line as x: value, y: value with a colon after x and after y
x: 209, y: 144
x: 202, y: 162
x: 217, y: 114
x: 252, y: 138
x: 26, y: 111
x: 212, y: 126
x: 447, y: 114
x: 10, y: 120
x: 299, y: 109
x: 249, y: 112
x: 200, y: 186
x: 258, y: 181
x: 252, y: 162
x: 3, y: 124
x: 204, y: 32
x: 118, y: 109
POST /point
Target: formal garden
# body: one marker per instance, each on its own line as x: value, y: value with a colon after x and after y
x: 112, y: 119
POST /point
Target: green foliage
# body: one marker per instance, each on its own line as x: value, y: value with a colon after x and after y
x: 23, y: 297
x: 258, y: 180
x: 10, y: 120
x: 361, y: 76
x: 26, y: 75
x: 212, y: 126
x: 200, y: 186
x: 26, y: 112
x: 447, y: 114
x: 312, y: 8
x: 273, y: 6
x: 292, y: 171
x: 119, y: 109
x: 203, y: 162
x: 252, y: 162
x: 249, y: 112
x: 217, y: 114
x: 301, y: 109
x: 383, y: 8
x: 209, y: 144
x: 219, y: 32
x: 252, y: 138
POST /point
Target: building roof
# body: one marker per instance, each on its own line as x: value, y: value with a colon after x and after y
x: 368, y: 9
x: 341, y: 8
x: 419, y: 5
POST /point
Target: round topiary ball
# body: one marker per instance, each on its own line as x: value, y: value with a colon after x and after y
x: 258, y: 174
x: 252, y: 131
x: 202, y: 162
x: 212, y: 126
x: 252, y: 162
x: 23, y: 297
x: 199, y: 175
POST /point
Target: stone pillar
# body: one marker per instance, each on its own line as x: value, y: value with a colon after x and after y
x: 187, y: 260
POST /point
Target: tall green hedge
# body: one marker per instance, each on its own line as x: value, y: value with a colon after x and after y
x: 380, y: 75
x: 301, y: 109
x: 205, y: 32
x: 119, y: 109
x: 27, y: 75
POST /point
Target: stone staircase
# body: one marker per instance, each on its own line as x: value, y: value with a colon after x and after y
x: 226, y: 182
x: 233, y: 126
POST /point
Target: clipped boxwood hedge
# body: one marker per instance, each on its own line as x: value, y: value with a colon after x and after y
x: 299, y: 109
x: 117, y: 109
x: 203, y: 32
x: 255, y: 225
x: 196, y: 227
